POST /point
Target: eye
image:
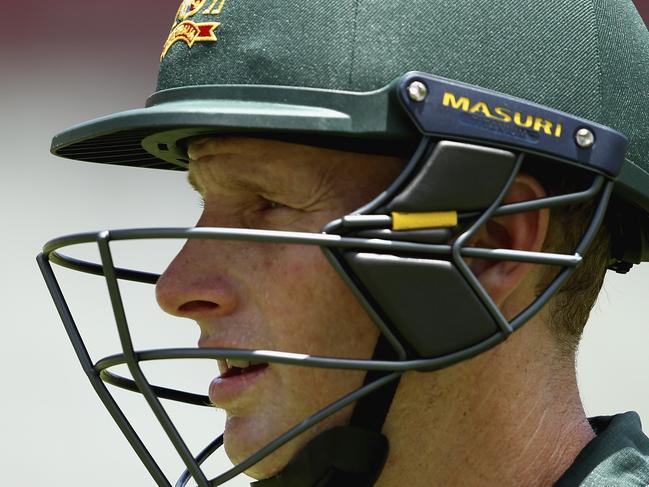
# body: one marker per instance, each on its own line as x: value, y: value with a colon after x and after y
x: 272, y: 205
x: 268, y: 204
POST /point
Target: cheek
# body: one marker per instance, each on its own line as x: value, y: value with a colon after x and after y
x: 310, y: 309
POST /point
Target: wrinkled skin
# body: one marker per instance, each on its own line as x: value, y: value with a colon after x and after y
x: 274, y: 296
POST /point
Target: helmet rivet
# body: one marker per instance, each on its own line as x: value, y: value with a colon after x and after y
x: 417, y: 91
x: 584, y: 138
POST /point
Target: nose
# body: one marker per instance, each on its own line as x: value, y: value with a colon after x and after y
x: 194, y: 287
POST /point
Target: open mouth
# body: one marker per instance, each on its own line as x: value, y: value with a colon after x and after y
x: 235, y: 367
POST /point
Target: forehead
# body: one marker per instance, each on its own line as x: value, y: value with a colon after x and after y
x: 258, y: 151
x: 226, y: 160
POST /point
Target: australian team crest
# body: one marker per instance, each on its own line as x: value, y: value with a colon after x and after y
x: 189, y: 32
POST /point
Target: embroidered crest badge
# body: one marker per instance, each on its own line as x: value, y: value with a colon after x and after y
x: 189, y: 32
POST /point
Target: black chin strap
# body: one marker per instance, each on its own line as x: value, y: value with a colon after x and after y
x: 346, y: 456
x: 370, y: 411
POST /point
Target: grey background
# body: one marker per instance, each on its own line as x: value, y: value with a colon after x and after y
x: 67, y: 63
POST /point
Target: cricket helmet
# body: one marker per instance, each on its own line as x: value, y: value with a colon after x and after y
x: 459, y: 88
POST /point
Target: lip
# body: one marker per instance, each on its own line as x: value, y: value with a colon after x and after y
x: 224, y: 391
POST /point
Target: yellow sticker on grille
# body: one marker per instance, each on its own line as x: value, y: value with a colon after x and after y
x: 415, y: 221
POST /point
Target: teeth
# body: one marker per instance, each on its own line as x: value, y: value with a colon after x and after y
x: 240, y: 364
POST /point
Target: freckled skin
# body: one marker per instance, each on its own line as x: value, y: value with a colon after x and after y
x: 275, y: 296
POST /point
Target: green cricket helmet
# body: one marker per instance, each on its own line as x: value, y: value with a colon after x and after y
x: 461, y: 88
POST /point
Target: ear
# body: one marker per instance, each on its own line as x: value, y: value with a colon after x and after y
x: 520, y: 231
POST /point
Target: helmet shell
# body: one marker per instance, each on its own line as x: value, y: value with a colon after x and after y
x: 589, y: 58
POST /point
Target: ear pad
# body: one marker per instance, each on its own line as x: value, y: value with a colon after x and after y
x: 427, y: 301
x: 430, y: 304
x: 456, y: 176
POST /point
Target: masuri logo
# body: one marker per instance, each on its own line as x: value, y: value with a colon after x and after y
x: 503, y: 114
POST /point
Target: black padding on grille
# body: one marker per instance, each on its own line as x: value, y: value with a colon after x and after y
x: 457, y: 176
x: 427, y: 301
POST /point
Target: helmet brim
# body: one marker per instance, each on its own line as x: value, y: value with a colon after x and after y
x: 157, y: 136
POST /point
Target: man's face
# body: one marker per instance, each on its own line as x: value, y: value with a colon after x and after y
x: 274, y: 296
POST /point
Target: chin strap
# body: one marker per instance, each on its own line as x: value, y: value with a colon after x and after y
x: 346, y: 456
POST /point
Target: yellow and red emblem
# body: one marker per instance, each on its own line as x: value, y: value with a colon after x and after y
x: 191, y: 32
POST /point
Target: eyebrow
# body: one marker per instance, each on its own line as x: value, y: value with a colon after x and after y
x: 192, y: 181
x: 240, y: 182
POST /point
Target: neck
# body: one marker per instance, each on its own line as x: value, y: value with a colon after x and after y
x: 503, y: 418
